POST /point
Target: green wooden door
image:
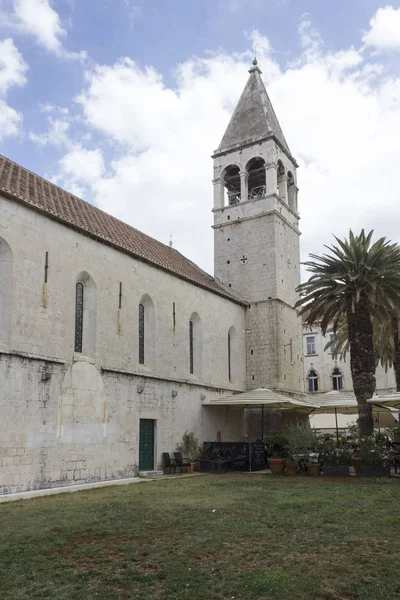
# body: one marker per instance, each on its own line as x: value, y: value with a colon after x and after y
x: 146, y: 445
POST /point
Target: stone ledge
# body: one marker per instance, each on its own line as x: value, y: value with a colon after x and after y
x: 68, y: 489
x: 32, y: 356
x: 193, y: 382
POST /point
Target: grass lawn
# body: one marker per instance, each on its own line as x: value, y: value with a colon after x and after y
x: 270, y: 538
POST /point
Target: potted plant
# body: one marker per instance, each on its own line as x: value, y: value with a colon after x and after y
x: 375, y: 457
x: 207, y: 457
x: 292, y: 465
x: 314, y: 466
x: 302, y: 441
x: 276, y: 448
x: 189, y: 447
x: 335, y: 459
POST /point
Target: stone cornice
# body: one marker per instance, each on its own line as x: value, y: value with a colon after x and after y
x: 169, y: 379
x: 32, y: 356
x: 253, y: 142
x: 262, y: 214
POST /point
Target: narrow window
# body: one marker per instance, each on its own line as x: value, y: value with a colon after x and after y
x: 311, y: 346
x: 191, y: 361
x: 312, y: 381
x: 141, y: 334
x: 79, y: 317
x: 229, y: 357
x: 46, y: 267
x: 337, y: 379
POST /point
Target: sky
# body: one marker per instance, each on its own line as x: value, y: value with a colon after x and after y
x: 123, y: 102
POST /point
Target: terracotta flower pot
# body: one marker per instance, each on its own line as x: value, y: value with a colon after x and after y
x: 356, y: 462
x: 191, y: 468
x: 277, y: 465
x: 313, y: 469
x: 291, y: 469
x: 374, y: 471
x: 336, y: 471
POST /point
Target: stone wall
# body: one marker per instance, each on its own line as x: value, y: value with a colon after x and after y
x: 43, y: 316
x: 71, y: 416
x: 65, y: 423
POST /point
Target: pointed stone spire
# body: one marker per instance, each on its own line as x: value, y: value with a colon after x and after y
x: 254, y: 117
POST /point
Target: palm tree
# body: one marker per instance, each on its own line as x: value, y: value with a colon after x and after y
x: 356, y: 282
x: 386, y: 344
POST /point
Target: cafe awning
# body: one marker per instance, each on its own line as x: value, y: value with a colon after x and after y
x: 261, y: 397
x: 344, y: 403
x: 391, y: 401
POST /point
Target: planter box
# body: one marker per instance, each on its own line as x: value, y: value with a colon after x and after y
x: 356, y: 462
x: 216, y: 465
x: 336, y: 471
x: 375, y: 471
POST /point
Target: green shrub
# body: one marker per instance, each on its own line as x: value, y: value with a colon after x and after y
x: 301, y: 438
x: 276, y: 445
x: 189, y: 445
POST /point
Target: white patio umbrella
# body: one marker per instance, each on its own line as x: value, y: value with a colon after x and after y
x: 388, y: 400
x: 336, y: 402
x: 261, y: 398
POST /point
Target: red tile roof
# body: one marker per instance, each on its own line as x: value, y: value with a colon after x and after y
x: 20, y: 184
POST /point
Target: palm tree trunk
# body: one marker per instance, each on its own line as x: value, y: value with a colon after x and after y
x: 396, y: 358
x: 362, y: 365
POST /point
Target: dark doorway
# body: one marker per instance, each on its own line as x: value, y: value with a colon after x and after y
x: 146, y: 445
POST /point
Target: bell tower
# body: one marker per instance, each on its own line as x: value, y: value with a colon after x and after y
x: 256, y: 237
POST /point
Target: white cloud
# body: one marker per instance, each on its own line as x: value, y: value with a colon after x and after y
x: 56, y: 135
x: 13, y: 70
x: 134, y: 11
x: 340, y: 114
x: 384, y: 32
x: 83, y: 166
x: 38, y: 18
x: 52, y: 108
x: 10, y: 120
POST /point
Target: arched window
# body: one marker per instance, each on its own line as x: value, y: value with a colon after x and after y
x: 291, y: 191
x: 85, y: 314
x: 282, y: 187
x: 195, y: 345
x: 229, y: 358
x: 337, y: 379
x: 231, y: 180
x: 79, y: 316
x: 191, y: 343
x: 146, y: 332
x: 312, y: 381
x: 257, y: 179
x: 141, y: 334
x: 6, y: 272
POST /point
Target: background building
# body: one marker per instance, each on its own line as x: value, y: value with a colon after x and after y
x: 323, y: 373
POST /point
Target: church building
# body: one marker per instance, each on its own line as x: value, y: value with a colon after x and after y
x: 112, y: 343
